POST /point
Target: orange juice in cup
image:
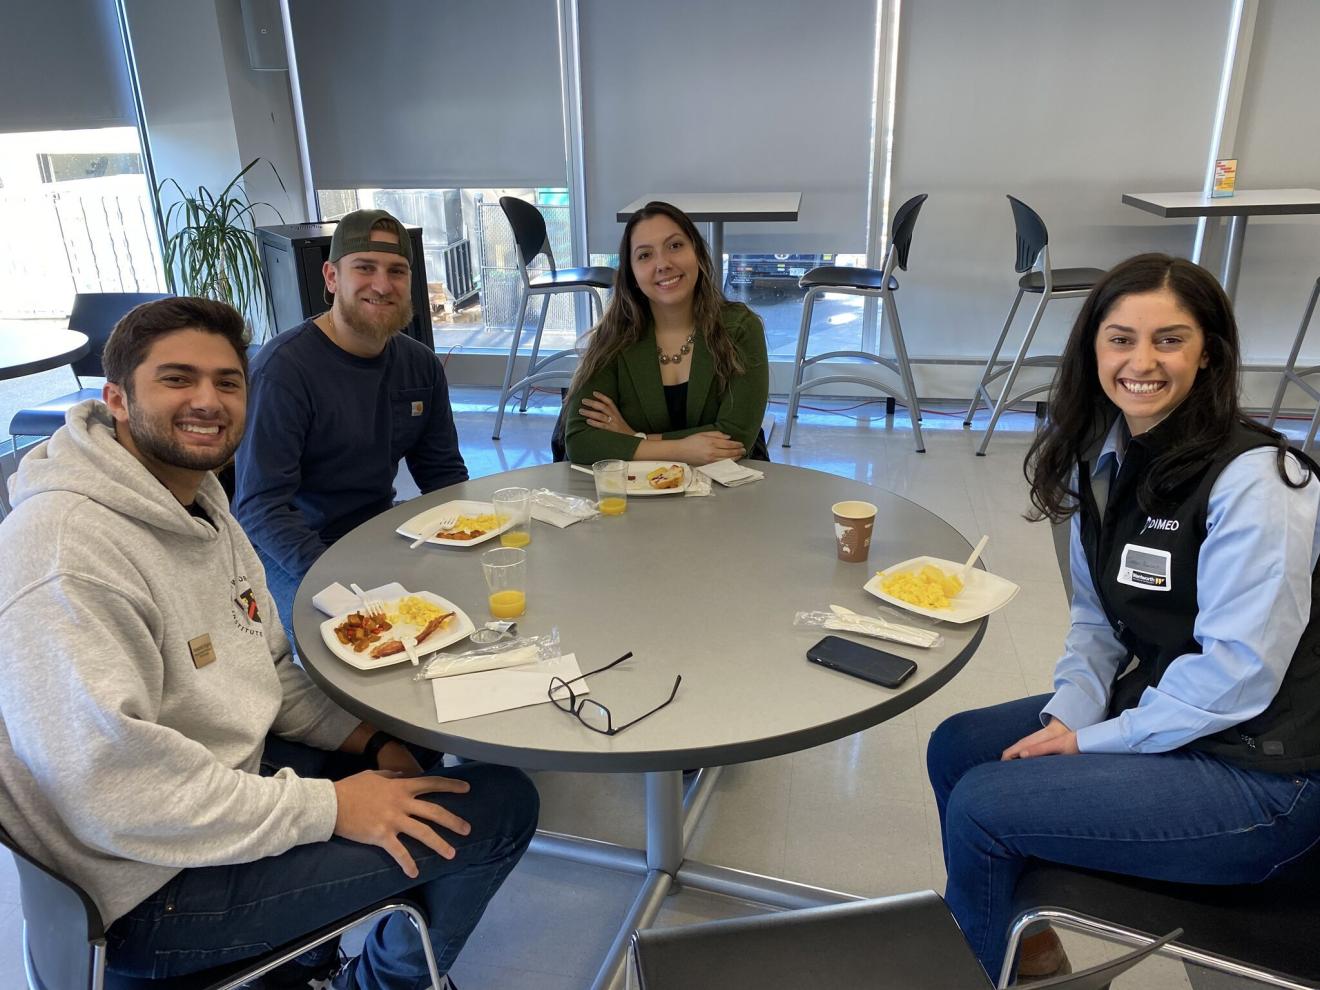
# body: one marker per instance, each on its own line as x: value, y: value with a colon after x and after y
x: 513, y: 507
x: 507, y: 604
x: 612, y: 505
x: 611, y: 487
x: 505, y: 570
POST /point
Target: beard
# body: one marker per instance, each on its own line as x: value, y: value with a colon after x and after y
x: 374, y: 323
x: 154, y: 437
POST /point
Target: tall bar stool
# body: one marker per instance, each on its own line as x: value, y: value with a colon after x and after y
x: 1291, y: 374
x: 530, y: 235
x: 862, y: 282
x: 1033, y: 259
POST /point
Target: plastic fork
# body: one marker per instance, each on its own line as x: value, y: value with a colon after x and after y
x: 446, y: 523
x: 371, y: 606
x: 976, y: 552
x: 410, y: 647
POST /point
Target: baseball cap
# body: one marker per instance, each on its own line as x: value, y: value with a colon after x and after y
x: 353, y: 234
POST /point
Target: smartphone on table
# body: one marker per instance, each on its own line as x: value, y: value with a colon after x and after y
x: 865, y: 662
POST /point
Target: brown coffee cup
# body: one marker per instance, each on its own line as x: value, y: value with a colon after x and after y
x: 853, y: 522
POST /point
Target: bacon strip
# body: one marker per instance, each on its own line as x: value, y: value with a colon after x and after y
x: 393, y: 646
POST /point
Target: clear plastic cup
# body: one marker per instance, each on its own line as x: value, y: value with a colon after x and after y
x: 515, y: 505
x: 505, y: 570
x: 611, y: 487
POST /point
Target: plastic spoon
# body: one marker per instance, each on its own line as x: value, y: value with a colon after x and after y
x: 976, y: 552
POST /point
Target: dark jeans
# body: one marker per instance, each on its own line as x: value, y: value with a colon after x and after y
x: 1181, y: 816
x: 283, y: 587
x: 212, y: 916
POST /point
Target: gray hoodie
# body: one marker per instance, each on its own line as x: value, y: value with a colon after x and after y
x: 122, y: 760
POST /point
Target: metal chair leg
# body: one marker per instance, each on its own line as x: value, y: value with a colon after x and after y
x: 508, y: 368
x: 1289, y: 370
x: 795, y: 393
x: 1006, y: 394
x: 536, y: 349
x: 994, y: 358
x: 904, y: 368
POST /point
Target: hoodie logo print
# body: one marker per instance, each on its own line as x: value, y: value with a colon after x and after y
x: 247, y: 604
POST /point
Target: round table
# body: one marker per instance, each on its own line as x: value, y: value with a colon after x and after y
x: 28, y: 352
x: 702, y: 587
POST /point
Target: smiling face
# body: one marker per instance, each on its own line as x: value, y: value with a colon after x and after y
x: 185, y: 411
x: 372, y: 289
x: 1148, y: 351
x: 664, y: 262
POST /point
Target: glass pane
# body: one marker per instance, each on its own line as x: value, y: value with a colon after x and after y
x: 560, y: 692
x: 768, y: 284
x: 595, y: 715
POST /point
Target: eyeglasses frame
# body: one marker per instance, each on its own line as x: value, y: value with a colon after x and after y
x: 574, y: 706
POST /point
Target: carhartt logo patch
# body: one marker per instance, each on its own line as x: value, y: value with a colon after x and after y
x: 418, y: 408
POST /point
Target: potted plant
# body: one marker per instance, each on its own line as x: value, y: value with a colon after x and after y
x: 211, y: 244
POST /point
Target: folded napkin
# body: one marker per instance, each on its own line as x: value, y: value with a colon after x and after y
x: 560, y: 510
x: 729, y: 473
x: 338, y: 600
x: 502, y: 690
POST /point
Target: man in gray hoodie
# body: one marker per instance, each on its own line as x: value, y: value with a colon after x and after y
x: 157, y: 743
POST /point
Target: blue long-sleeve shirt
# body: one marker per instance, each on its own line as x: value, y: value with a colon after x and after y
x: 1253, y: 584
x: 326, y: 431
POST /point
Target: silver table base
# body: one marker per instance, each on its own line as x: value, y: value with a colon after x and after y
x: 671, y: 820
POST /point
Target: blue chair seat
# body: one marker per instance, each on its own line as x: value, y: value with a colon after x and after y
x: 1065, y: 279
x: 596, y: 277
x: 852, y: 278
x: 45, y: 419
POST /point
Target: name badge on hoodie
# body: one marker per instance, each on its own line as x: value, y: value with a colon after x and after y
x: 202, y: 651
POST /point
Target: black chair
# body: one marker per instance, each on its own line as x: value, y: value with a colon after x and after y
x: 1033, y: 259
x: 882, y: 284
x: 904, y: 942
x: 95, y: 314
x: 1298, y: 378
x: 1258, y: 931
x: 64, y: 946
x: 532, y: 241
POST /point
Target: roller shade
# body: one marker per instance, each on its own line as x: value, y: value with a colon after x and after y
x: 430, y: 93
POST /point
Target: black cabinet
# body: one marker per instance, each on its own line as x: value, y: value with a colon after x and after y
x: 293, y: 255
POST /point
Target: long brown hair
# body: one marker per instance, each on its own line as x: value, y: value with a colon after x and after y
x: 1080, y: 412
x: 629, y: 311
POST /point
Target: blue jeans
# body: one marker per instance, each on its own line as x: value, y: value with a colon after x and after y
x: 1181, y: 816
x: 283, y: 588
x: 212, y: 916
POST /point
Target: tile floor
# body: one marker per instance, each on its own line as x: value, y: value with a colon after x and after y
x: 855, y: 814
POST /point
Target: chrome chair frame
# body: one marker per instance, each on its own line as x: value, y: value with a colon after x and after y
x: 1298, y: 378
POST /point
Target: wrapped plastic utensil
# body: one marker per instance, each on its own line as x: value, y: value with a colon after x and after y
x: 506, y: 653
x: 846, y: 620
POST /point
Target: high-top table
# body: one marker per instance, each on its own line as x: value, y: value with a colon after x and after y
x: 1238, y: 207
x: 702, y: 587
x: 718, y: 208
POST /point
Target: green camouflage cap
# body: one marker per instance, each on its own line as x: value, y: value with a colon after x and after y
x: 353, y: 234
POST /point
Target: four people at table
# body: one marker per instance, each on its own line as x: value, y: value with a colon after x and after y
x: 159, y: 746
x: 1194, y: 542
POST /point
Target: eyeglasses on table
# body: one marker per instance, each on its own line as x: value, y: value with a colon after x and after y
x: 593, y: 714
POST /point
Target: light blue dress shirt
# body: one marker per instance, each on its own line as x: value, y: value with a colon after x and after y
x: 1253, y: 580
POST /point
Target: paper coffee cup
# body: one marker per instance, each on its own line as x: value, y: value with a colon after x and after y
x: 853, y: 522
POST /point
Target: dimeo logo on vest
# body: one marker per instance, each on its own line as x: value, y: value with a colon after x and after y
x: 1168, y: 525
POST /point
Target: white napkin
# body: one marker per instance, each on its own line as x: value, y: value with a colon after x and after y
x: 338, y: 600
x: 502, y: 690
x: 729, y: 473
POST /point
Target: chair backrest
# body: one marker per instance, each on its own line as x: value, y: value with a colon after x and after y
x: 95, y: 314
x: 528, y: 231
x: 1031, y: 234
x: 905, y: 221
x: 60, y: 921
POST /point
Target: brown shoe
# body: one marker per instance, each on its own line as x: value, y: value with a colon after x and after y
x: 1041, y: 957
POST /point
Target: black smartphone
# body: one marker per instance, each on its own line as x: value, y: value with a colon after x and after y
x: 865, y: 662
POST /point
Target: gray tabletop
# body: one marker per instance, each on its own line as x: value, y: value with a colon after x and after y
x: 1244, y: 202
x: 28, y: 351
x: 731, y: 207
x: 702, y: 587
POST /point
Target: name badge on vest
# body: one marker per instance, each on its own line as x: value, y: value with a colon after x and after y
x: 202, y: 651
x: 1145, y: 567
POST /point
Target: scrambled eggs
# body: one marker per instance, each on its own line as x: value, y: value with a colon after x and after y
x: 477, y: 524
x: 414, y: 611
x: 929, y: 587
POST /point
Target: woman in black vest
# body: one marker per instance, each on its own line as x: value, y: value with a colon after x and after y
x: 1193, y: 552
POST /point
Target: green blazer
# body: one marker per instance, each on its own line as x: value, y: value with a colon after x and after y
x: 633, y: 381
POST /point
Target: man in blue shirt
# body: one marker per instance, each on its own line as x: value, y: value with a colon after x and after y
x: 336, y: 403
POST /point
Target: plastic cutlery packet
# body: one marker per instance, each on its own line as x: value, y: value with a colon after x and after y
x: 846, y: 620
x: 561, y: 510
x: 506, y: 653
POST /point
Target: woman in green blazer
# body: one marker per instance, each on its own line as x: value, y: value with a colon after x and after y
x: 674, y: 371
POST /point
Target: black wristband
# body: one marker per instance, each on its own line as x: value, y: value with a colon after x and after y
x: 377, y: 742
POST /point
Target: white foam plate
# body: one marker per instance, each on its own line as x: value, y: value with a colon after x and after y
x: 637, y: 471
x: 427, y: 522
x: 982, y: 592
x: 460, y: 628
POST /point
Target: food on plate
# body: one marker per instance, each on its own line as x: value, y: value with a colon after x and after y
x: 360, y: 630
x: 393, y: 646
x: 470, y: 527
x: 929, y: 587
x: 413, y: 610
x: 665, y: 477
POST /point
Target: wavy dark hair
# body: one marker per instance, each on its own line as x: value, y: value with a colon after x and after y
x: 1080, y: 412
x: 629, y: 311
